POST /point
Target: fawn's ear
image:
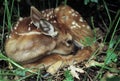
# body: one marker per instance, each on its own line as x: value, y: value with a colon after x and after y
x: 35, y: 16
x: 47, y: 28
x: 40, y: 22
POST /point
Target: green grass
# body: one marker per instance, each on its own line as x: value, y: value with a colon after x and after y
x: 68, y: 76
x: 111, y: 54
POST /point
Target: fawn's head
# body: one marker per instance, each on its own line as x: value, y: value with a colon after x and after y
x: 47, y: 21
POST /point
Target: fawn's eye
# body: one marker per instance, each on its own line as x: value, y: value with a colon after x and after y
x: 69, y: 42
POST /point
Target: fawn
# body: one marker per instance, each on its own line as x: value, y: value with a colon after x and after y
x: 49, y: 38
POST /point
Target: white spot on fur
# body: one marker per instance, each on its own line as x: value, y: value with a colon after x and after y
x: 50, y: 13
x: 20, y: 19
x: 73, y: 14
x: 72, y: 27
x: 51, y: 17
x: 76, y: 12
x: 57, y: 9
x: 54, y: 21
x: 76, y: 15
x: 73, y: 23
x: 9, y: 36
x: 17, y: 23
x: 83, y: 25
x: 43, y: 11
x: 88, y: 27
x: 29, y: 28
x: 81, y: 19
x: 47, y: 15
x: 79, y: 26
x: 70, y: 12
x: 15, y: 27
x: 31, y: 22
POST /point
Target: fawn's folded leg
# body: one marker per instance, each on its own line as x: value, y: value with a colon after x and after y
x: 55, y: 61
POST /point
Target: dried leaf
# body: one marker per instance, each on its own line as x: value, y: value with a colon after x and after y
x: 54, y: 67
x: 75, y: 70
x: 93, y: 63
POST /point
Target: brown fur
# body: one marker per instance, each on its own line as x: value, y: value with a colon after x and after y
x: 38, y: 49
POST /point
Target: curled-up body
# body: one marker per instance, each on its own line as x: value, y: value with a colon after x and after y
x: 49, y: 38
